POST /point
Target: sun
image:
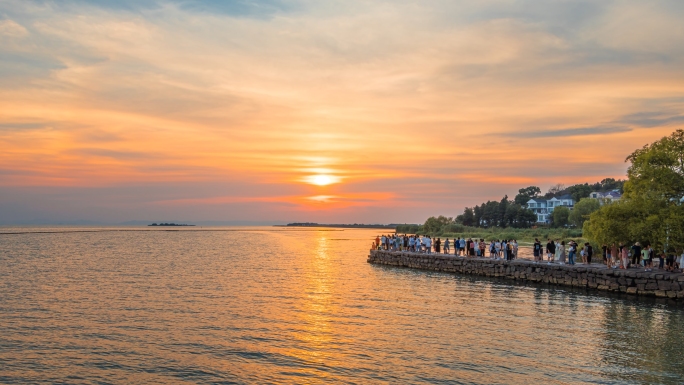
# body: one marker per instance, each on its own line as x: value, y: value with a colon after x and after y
x: 321, y: 179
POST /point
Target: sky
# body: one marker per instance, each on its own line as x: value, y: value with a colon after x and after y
x: 349, y: 111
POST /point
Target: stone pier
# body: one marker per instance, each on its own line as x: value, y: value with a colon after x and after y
x: 656, y: 283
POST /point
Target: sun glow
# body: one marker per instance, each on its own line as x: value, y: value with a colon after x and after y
x: 321, y: 179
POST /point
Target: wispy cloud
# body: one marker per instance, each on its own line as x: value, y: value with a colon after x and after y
x: 652, y: 119
x: 437, y: 101
x: 582, y: 131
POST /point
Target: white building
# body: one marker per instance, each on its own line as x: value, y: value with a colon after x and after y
x: 544, y: 207
x: 606, y: 197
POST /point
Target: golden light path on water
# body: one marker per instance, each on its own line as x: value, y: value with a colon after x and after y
x: 280, y: 305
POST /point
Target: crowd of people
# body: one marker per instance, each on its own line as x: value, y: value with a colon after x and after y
x: 616, y: 255
x: 497, y: 249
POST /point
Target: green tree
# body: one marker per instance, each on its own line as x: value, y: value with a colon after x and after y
x: 477, y: 213
x: 579, y: 191
x: 657, y: 170
x: 614, y: 223
x: 467, y: 218
x: 519, y: 217
x: 559, y: 216
x: 527, y: 193
x: 491, y: 214
x: 582, y: 210
x: 503, y: 206
x: 434, y: 225
x: 651, y: 209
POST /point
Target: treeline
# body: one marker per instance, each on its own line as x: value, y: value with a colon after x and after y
x: 651, y: 209
x: 506, y: 213
x: 442, y: 227
x: 581, y: 191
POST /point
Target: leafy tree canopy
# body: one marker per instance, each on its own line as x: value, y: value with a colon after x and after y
x: 657, y: 169
x: 527, y: 193
x: 582, y: 210
x: 651, y: 209
x: 559, y: 216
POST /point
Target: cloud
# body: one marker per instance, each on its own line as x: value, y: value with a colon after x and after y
x: 652, y: 119
x: 436, y: 101
x: 10, y: 28
x: 22, y: 126
x: 583, y: 131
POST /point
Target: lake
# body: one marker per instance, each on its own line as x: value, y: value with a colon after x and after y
x: 284, y: 305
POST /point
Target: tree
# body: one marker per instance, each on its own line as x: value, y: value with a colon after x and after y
x: 467, y: 218
x: 579, y: 191
x: 555, y: 190
x: 527, y: 193
x: 477, y: 213
x: 614, y: 223
x: 491, y: 214
x: 519, y: 217
x: 434, y: 225
x: 657, y: 169
x: 582, y: 210
x: 503, y: 206
x: 651, y: 209
x: 559, y: 216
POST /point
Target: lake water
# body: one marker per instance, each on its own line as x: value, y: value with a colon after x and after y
x: 278, y: 305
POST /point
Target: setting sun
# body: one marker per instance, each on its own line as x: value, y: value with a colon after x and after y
x: 321, y: 180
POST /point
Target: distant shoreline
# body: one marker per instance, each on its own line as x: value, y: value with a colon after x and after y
x: 169, y: 225
x: 391, y: 226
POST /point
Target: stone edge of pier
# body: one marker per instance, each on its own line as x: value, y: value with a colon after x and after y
x: 631, y: 281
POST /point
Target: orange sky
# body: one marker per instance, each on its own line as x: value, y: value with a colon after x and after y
x: 157, y: 110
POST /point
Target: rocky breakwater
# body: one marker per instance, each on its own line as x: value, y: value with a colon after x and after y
x: 598, y: 277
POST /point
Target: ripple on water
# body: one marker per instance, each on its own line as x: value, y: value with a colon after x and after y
x: 257, y: 306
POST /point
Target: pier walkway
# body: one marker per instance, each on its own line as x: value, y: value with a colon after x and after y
x: 657, y: 283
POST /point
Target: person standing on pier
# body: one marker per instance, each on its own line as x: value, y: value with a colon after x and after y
x: 483, y: 247
x: 614, y: 256
x: 646, y: 257
x: 447, y: 248
x: 438, y: 246
x: 561, y: 250
x: 571, y: 253
x: 536, y: 248
x: 588, y: 253
x: 624, y: 257
x: 636, y: 254
x: 515, y: 249
x: 556, y: 245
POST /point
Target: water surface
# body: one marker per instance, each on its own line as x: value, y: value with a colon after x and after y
x: 278, y: 305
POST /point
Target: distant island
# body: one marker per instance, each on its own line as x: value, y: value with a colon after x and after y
x: 169, y: 224
x: 349, y: 226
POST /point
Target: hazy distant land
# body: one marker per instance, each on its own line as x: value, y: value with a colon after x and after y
x: 350, y: 226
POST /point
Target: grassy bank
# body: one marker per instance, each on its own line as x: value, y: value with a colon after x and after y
x: 521, y: 235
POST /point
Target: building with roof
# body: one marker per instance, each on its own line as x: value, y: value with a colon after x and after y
x: 544, y: 207
x: 606, y: 197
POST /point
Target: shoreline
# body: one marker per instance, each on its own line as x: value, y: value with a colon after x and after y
x: 599, y: 277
